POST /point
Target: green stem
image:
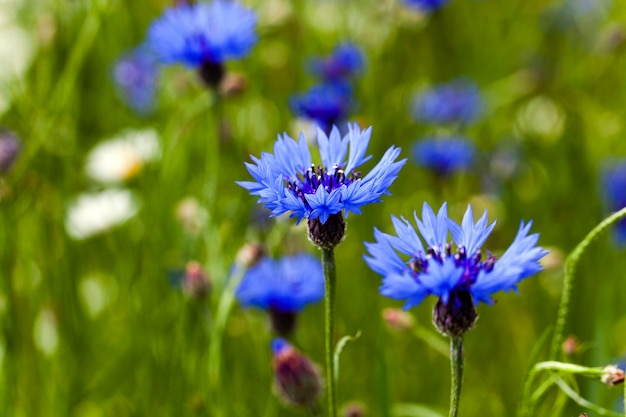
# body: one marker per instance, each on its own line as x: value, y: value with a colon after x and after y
x: 526, y: 407
x: 328, y: 263
x: 456, y: 374
x: 570, y: 268
x: 224, y: 308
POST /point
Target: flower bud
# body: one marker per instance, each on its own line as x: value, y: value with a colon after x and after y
x: 612, y: 375
x: 571, y: 346
x: 397, y: 319
x: 457, y: 316
x: 354, y: 409
x: 196, y: 283
x: 233, y: 84
x: 297, y: 380
x: 10, y: 147
x: 250, y: 254
x: 329, y: 234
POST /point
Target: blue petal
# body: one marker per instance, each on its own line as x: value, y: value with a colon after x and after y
x: 434, y: 229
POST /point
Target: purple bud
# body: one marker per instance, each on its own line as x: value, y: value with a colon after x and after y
x: 10, y: 147
x: 297, y: 380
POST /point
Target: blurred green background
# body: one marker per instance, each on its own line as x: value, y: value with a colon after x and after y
x: 94, y: 327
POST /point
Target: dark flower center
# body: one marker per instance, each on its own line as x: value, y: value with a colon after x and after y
x: 309, y: 181
x: 472, y: 265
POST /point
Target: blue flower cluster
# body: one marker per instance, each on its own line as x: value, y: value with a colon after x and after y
x: 425, y: 5
x: 135, y: 76
x: 289, y: 181
x: 443, y: 155
x: 613, y: 186
x: 440, y: 270
x: 199, y: 35
x: 281, y: 285
x: 457, y: 102
x: 329, y: 102
x: 193, y: 34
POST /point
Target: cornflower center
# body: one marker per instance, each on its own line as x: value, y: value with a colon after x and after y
x: 309, y: 181
x: 471, y: 264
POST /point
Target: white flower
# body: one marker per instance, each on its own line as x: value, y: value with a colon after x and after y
x: 92, y: 213
x: 121, y: 158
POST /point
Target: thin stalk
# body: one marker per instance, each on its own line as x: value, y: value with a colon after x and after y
x: 456, y: 373
x: 328, y: 263
x: 570, y: 269
x: 528, y: 400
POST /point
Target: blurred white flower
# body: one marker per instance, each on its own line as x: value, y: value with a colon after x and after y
x: 122, y: 157
x: 92, y: 213
x: 16, y: 51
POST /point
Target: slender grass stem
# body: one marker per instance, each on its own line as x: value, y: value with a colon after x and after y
x: 528, y: 400
x: 570, y: 269
x: 456, y: 373
x: 328, y: 263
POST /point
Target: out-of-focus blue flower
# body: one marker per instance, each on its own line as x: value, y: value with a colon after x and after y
x: 436, y: 269
x: 345, y: 61
x: 327, y: 104
x: 613, y: 186
x: 425, y: 5
x: 200, y: 33
x: 286, y: 285
x: 456, y: 102
x: 135, y: 76
x: 444, y: 155
x: 289, y: 181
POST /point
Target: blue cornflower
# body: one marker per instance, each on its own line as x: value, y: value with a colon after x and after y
x: 444, y: 155
x: 327, y: 104
x: 289, y: 181
x: 613, y: 186
x: 458, y: 277
x: 425, y: 5
x: 135, y: 75
x: 456, y: 102
x: 283, y: 287
x: 345, y: 61
x: 193, y: 34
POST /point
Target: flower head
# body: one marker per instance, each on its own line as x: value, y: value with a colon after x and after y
x: 283, y: 287
x: 444, y: 155
x: 193, y: 34
x: 122, y: 157
x: 425, y: 5
x: 456, y: 102
x: 297, y: 380
x: 613, y: 186
x: 458, y: 276
x: 287, y: 284
x: 327, y: 104
x: 288, y: 180
x: 345, y: 61
x: 135, y: 75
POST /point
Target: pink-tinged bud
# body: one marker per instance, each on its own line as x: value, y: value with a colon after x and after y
x: 250, y: 254
x: 397, y: 319
x: 297, y: 380
x: 196, y: 283
x: 354, y: 409
x: 233, y: 84
x: 612, y: 375
x: 571, y: 346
